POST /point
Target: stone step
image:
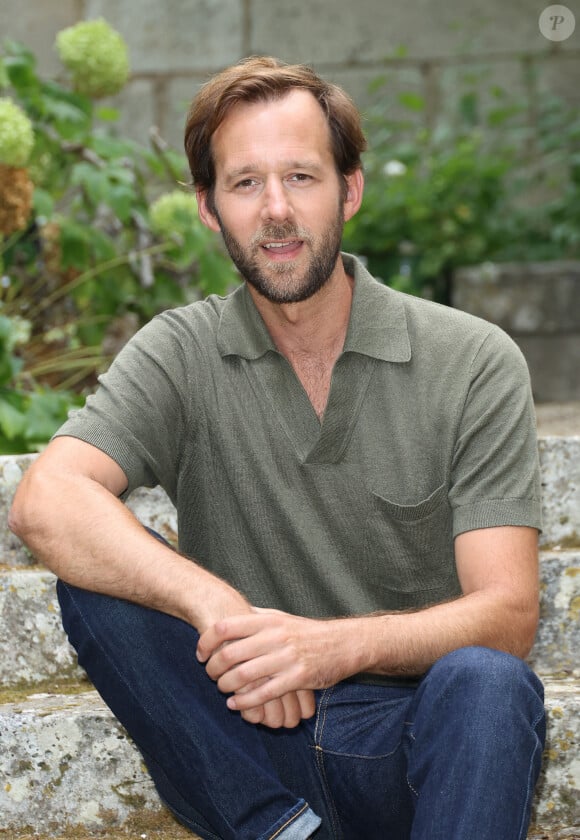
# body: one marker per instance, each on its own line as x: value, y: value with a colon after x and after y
x: 559, y: 461
x: 34, y: 649
x: 65, y: 761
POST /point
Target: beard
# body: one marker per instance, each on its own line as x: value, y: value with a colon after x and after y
x: 283, y: 282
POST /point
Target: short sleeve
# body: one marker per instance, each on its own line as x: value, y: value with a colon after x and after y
x: 495, y: 477
x: 138, y: 413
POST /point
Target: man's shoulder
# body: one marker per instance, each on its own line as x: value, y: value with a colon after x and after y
x: 189, y: 326
x: 436, y: 324
x: 206, y: 312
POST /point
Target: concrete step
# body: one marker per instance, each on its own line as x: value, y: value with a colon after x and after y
x: 66, y: 766
x: 559, y: 461
x: 34, y: 649
x: 153, y: 825
x: 65, y: 761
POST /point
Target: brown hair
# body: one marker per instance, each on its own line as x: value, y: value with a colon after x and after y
x: 261, y: 79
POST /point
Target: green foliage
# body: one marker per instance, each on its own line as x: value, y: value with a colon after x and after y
x: 27, y: 417
x: 16, y: 134
x: 88, y: 268
x: 96, y: 56
x: 477, y: 183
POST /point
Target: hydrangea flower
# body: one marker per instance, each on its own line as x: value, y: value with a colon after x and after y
x: 174, y: 213
x: 96, y: 55
x: 16, y: 191
x: 394, y: 168
x: 16, y: 134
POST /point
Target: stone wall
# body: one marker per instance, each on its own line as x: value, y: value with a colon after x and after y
x: 538, y: 304
x: 176, y: 44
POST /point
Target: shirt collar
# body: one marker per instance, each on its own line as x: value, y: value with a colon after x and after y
x: 377, y: 325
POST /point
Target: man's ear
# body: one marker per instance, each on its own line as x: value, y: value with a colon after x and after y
x: 355, y: 188
x: 206, y: 215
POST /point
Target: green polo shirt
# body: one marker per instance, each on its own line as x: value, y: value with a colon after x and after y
x: 429, y: 431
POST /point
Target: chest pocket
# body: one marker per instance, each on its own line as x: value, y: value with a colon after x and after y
x: 408, y: 551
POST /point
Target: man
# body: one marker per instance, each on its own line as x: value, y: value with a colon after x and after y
x: 336, y: 649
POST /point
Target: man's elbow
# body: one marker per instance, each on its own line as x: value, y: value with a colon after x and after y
x: 524, y: 630
x: 25, y: 517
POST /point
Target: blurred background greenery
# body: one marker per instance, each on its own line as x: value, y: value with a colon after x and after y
x: 98, y: 232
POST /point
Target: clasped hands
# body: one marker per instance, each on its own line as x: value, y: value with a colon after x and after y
x: 269, y: 662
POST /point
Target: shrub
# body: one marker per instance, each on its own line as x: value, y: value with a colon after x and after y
x: 82, y: 265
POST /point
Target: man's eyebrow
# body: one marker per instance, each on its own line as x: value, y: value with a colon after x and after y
x: 253, y: 168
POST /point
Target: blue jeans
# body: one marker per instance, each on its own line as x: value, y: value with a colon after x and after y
x: 453, y: 758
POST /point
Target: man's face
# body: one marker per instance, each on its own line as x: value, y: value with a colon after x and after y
x: 278, y: 200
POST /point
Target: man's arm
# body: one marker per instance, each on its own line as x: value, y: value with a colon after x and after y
x: 498, y: 571
x: 67, y: 512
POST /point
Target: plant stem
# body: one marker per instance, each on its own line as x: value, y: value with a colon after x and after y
x: 123, y: 259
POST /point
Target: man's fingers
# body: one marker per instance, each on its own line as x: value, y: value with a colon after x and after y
x: 228, y: 630
x: 307, y: 702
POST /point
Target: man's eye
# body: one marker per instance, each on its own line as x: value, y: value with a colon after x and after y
x: 300, y: 176
x: 246, y: 183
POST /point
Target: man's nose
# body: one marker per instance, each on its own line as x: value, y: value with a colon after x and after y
x: 277, y: 206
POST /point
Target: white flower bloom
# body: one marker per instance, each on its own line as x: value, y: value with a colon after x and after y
x: 394, y: 168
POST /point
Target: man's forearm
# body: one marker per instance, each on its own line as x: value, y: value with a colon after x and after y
x: 409, y: 643
x: 290, y: 652
x: 99, y: 545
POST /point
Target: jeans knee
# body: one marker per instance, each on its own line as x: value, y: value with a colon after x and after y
x: 481, y: 678
x: 487, y: 668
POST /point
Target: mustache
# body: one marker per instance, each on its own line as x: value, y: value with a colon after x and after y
x: 279, y: 232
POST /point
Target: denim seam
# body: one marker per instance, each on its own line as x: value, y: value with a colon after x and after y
x: 289, y: 821
x: 409, y: 784
x: 530, y: 787
x: 356, y: 755
x: 319, y: 758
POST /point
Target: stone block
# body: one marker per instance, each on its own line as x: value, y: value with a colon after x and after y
x: 559, y: 461
x: 560, y: 469
x: 497, y: 84
x: 65, y: 760
x: 136, y: 104
x: 362, y: 83
x: 554, y: 363
x: 558, y: 73
x: 12, y: 552
x: 154, y: 509
x: 371, y: 30
x: 175, y: 101
x: 522, y: 298
x: 558, y: 638
x: 33, y: 647
x: 557, y: 798
x: 538, y: 304
x: 36, y: 26
x: 179, y: 36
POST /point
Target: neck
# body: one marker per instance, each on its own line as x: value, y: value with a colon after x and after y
x: 314, y: 326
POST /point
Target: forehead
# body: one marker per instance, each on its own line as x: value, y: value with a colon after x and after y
x: 294, y: 125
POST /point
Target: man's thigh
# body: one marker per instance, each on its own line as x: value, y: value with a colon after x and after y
x: 358, y: 746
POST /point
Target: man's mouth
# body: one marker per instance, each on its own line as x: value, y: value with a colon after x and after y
x: 289, y: 246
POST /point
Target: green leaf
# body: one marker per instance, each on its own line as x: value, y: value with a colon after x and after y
x: 43, y: 202
x: 12, y: 421
x: 4, y: 79
x: 107, y: 114
x: 46, y: 412
x: 412, y: 101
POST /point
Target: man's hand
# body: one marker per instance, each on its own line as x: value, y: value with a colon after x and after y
x: 287, y: 710
x: 268, y: 654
